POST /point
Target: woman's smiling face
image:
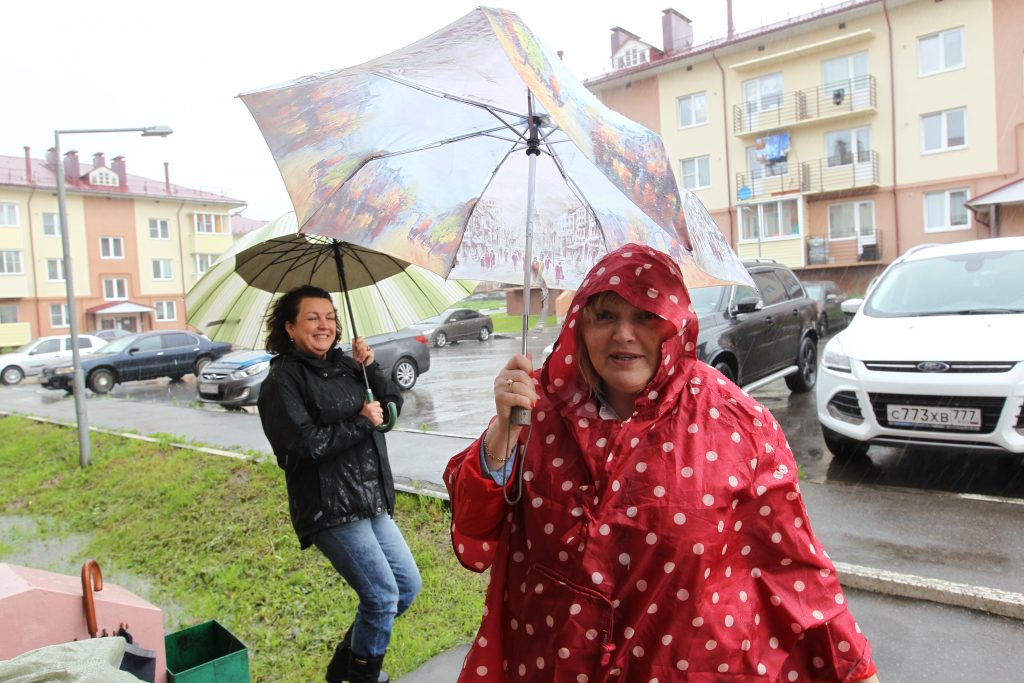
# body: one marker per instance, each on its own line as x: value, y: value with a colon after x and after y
x: 315, y: 329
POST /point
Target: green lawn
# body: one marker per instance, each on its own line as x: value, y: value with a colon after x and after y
x: 211, y: 536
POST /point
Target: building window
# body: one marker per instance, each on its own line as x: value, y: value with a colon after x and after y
x: 55, y: 270
x: 204, y: 261
x: 845, y: 147
x: 8, y: 215
x: 111, y: 247
x: 162, y: 269
x: 632, y: 57
x: 762, y: 164
x: 158, y: 229
x: 945, y: 211
x: 115, y: 288
x: 51, y: 224
x: 693, y: 109
x: 769, y: 220
x: 206, y: 222
x: 166, y: 310
x: 940, y: 52
x: 103, y: 177
x: 8, y: 314
x: 850, y: 219
x: 59, y: 315
x: 697, y: 172
x: 763, y: 93
x: 944, y: 130
x: 10, y: 262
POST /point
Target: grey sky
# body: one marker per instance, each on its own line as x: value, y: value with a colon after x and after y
x: 126, y: 63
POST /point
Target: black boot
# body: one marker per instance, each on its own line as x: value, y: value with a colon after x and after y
x: 337, y: 669
x: 366, y: 669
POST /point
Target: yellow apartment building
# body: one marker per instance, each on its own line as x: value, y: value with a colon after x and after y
x: 137, y: 245
x: 835, y: 141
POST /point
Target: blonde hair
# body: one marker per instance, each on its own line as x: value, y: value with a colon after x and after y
x: 587, y: 316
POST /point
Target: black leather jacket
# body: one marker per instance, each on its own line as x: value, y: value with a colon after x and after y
x: 335, y: 463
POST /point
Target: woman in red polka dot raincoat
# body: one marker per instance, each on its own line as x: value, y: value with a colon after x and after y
x: 660, y: 535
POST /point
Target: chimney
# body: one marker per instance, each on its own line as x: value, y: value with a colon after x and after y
x: 28, y: 166
x: 118, y: 167
x: 167, y: 177
x: 676, y: 32
x: 99, y: 160
x: 620, y: 37
x: 72, y: 171
x: 51, y: 158
x: 730, y: 27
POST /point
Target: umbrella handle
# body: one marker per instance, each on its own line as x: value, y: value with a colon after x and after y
x: 392, y: 413
x: 520, y: 416
x: 92, y: 580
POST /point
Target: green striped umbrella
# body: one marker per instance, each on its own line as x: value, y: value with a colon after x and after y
x: 231, y: 301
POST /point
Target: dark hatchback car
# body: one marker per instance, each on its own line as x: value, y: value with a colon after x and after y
x: 456, y: 324
x: 757, y: 336
x: 234, y: 380
x: 830, y: 297
x: 148, y: 355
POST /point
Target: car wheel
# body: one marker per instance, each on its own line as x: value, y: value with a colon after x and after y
x: 484, y: 335
x: 726, y: 370
x: 175, y: 378
x: 405, y: 373
x: 823, y: 325
x: 12, y: 374
x: 807, y: 363
x: 842, y: 447
x: 101, y: 381
x: 440, y: 339
x: 201, y: 363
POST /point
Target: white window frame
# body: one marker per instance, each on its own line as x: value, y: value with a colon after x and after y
x: 948, y: 201
x: 944, y: 65
x: 206, y: 223
x: 55, y: 269
x: 115, y: 289
x: 104, y: 177
x: 943, y: 117
x: 59, y: 315
x: 166, y: 311
x: 51, y: 224
x: 8, y: 314
x: 853, y: 136
x: 204, y: 262
x: 759, y: 209
x: 11, y: 262
x: 163, y: 269
x: 159, y: 229
x: 695, y: 174
x: 689, y: 101
x: 858, y: 227
x: 756, y: 103
x: 111, y: 247
x: 9, y: 215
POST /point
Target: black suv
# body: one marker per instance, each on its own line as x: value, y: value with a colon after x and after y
x: 756, y: 337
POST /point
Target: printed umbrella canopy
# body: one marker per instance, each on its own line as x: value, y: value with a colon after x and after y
x: 475, y: 153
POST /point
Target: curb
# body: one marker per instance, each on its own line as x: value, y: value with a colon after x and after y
x: 880, y: 581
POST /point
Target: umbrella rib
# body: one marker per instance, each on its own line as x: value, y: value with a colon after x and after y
x: 447, y: 96
x: 571, y: 184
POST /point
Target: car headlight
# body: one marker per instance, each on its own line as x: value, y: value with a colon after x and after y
x: 430, y: 331
x: 834, y: 358
x: 64, y: 370
x: 249, y: 371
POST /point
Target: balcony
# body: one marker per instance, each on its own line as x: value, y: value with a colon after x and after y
x: 840, y: 174
x: 785, y: 110
x: 770, y: 181
x: 846, y: 251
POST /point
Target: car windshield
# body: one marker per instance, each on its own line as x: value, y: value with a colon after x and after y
x: 116, y: 345
x: 432, y: 320
x: 959, y: 284
x: 815, y: 291
x: 706, y: 299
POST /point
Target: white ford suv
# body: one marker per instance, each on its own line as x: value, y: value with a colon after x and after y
x: 934, y: 356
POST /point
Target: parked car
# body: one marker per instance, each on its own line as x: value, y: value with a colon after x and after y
x: 454, y: 325
x: 757, y: 336
x: 830, y: 297
x: 933, y: 356
x: 234, y: 380
x: 110, y: 333
x: 147, y: 355
x: 32, y: 357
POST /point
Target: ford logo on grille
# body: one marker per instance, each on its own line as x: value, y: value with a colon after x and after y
x: 933, y: 366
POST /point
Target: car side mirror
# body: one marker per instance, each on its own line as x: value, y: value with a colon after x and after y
x: 851, y: 306
x: 132, y: 351
x: 747, y: 305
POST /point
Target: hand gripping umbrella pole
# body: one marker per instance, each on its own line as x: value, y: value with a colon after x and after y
x: 392, y: 409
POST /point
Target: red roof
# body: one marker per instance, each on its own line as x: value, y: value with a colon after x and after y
x: 12, y: 174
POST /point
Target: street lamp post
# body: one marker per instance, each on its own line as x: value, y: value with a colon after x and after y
x: 78, y: 381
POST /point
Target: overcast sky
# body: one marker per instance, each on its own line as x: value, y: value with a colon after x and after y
x: 127, y: 63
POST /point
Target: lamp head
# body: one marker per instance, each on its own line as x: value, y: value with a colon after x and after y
x: 157, y: 131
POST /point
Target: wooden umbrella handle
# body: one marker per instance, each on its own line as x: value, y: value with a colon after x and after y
x: 92, y: 580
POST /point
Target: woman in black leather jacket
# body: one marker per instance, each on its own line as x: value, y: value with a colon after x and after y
x: 340, y: 489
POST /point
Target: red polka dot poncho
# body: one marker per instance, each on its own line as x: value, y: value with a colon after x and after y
x: 671, y: 546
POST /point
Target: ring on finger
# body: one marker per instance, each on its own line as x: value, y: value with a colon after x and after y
x: 508, y: 384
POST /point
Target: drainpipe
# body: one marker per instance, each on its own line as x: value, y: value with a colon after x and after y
x: 181, y: 252
x: 892, y: 95
x: 728, y: 166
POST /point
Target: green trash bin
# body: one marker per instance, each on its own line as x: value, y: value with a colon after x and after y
x: 206, y: 653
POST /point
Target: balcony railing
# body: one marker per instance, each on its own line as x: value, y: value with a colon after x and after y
x: 840, y: 173
x: 786, y: 109
x: 865, y: 247
x: 784, y: 178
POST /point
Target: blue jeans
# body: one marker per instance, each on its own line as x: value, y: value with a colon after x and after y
x: 373, y: 558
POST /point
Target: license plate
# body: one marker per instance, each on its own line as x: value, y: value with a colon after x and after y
x: 209, y: 389
x: 934, y: 417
